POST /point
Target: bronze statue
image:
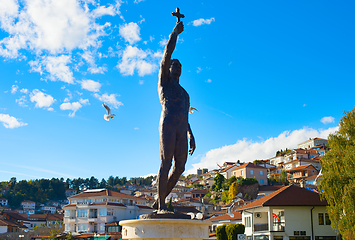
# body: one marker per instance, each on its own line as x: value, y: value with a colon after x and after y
x: 174, y: 127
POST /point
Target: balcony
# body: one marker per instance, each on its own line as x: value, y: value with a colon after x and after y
x: 278, y: 227
x: 92, y: 219
x: 261, y: 227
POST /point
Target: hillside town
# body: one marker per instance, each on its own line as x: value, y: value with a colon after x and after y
x: 275, y: 198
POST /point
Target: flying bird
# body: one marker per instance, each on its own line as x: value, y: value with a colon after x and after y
x: 191, y: 109
x: 108, y: 115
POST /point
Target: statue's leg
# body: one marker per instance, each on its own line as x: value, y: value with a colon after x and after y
x: 167, y: 145
x: 180, y: 157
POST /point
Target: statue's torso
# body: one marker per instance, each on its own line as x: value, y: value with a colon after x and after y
x: 175, y: 102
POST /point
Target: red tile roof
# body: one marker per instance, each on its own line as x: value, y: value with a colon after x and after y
x: 237, y: 215
x: 101, y: 192
x: 7, y: 223
x: 249, y: 165
x: 290, y: 195
x: 302, y: 167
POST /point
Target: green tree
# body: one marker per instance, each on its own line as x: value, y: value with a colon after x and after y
x: 337, y: 184
x: 221, y: 232
x: 283, y: 177
x: 218, y: 181
x: 233, y: 229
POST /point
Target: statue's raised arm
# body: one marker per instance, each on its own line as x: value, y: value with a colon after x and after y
x: 168, y: 51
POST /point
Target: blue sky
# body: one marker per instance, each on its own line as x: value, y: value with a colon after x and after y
x: 264, y: 75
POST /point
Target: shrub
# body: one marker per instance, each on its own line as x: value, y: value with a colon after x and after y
x: 221, y: 232
x: 233, y: 229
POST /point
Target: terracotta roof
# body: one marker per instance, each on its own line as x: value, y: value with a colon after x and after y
x: 249, y: 165
x: 290, y: 195
x: 237, y: 215
x: 301, y: 168
x: 15, y: 216
x: 227, y: 168
x: 46, y: 217
x: 7, y: 223
x: 102, y: 192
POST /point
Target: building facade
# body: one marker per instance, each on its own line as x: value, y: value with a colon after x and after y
x: 89, y: 211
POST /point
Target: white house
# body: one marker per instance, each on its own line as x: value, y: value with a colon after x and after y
x: 91, y: 209
x: 235, y: 217
x: 312, y: 142
x: 290, y: 213
x: 28, y: 205
x: 49, y: 209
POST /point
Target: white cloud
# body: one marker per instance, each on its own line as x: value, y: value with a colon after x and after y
x: 14, y: 89
x: 202, y: 21
x: 22, y: 101
x: 134, y: 58
x: 90, y: 85
x: 109, y: 99
x: 90, y: 59
x: 47, y: 29
x: 24, y: 90
x: 198, y: 70
x: 163, y: 42
x: 51, y: 25
x: 141, y: 82
x: 75, y: 106
x: 58, y: 68
x: 208, y: 80
x: 130, y: 32
x: 42, y: 100
x: 248, y: 150
x: 326, y: 120
x: 10, y: 122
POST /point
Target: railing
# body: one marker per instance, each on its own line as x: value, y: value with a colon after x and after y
x: 261, y: 227
x: 278, y: 226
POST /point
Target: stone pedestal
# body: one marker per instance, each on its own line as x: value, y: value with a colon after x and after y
x: 165, y: 229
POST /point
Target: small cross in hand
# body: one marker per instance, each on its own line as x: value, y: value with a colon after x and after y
x: 178, y: 15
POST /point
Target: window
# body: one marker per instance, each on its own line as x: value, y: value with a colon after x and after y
x: 66, y: 213
x: 261, y: 181
x: 241, y: 172
x: 320, y: 219
x: 247, y: 221
x: 251, y: 172
x: 82, y: 213
x: 67, y: 227
x: 102, y: 227
x: 83, y: 227
x: 102, y: 212
x: 109, y: 212
x: 327, y: 220
x: 323, y: 219
x: 261, y: 173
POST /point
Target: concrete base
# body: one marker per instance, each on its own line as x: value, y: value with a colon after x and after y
x: 165, y: 229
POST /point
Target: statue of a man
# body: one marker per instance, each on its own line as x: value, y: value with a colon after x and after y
x: 174, y: 127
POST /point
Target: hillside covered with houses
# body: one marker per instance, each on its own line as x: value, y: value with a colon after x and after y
x: 268, y: 196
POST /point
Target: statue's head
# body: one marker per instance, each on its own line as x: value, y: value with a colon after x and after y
x: 175, y: 68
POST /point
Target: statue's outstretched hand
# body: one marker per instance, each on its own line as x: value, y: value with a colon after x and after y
x: 179, y: 28
x: 192, y: 145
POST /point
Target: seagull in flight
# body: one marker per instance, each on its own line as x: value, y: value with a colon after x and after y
x: 191, y: 109
x: 108, y: 115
